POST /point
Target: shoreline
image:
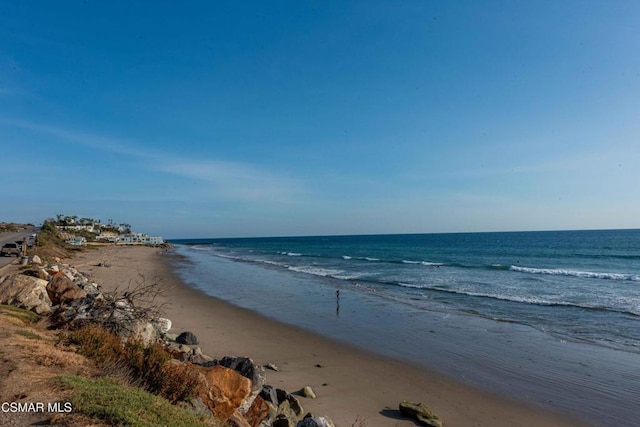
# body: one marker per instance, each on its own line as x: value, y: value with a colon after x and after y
x: 353, y: 385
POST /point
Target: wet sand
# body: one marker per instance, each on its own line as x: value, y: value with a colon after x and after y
x: 352, y: 385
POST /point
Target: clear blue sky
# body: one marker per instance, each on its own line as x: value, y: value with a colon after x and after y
x: 263, y: 118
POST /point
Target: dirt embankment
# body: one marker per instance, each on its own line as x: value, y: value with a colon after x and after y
x: 29, y: 358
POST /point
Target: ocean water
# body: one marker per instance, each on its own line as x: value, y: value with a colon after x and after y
x: 552, y: 316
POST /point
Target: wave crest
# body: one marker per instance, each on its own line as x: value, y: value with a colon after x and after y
x: 576, y: 273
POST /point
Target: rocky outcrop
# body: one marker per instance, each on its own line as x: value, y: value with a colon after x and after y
x: 25, y: 292
x: 421, y: 413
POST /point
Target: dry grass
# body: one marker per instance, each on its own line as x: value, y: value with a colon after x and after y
x: 26, y: 316
x: 146, y: 367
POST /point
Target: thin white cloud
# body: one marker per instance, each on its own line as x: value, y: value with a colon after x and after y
x: 234, y: 180
x: 98, y: 142
x: 231, y: 180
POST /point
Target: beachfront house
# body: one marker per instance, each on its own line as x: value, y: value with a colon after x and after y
x: 152, y: 240
x: 139, y: 239
x: 76, y: 241
x: 90, y: 228
x: 107, y: 236
x: 129, y: 239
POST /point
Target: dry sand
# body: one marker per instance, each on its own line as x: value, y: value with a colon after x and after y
x: 352, y: 385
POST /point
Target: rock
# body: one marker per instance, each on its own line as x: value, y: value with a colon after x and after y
x: 307, y: 392
x: 37, y: 273
x: 421, y: 413
x: 91, y: 288
x: 123, y: 304
x: 283, y: 421
x: 268, y: 393
x: 245, y: 367
x: 162, y: 324
x: 272, y: 367
x: 290, y: 406
x: 237, y: 420
x: 178, y: 348
x: 258, y: 412
x: 202, y: 358
x: 143, y: 331
x: 61, y: 290
x: 196, y: 405
x: 311, y: 421
x: 170, y: 337
x: 187, y: 338
x: 189, y: 354
x: 223, y: 390
x: 68, y: 274
x: 25, y: 292
x: 36, y: 260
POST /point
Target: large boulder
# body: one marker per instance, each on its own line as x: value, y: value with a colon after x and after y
x: 420, y: 412
x: 145, y: 332
x: 188, y: 338
x: 245, y: 367
x: 61, y: 290
x: 25, y: 292
x: 223, y: 390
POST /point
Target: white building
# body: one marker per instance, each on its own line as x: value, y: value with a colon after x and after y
x: 139, y: 239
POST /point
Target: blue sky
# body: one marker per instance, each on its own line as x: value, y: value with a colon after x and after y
x: 216, y: 119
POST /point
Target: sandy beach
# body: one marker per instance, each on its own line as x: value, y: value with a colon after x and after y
x: 352, y: 385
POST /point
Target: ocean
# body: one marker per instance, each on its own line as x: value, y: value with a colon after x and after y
x: 551, y: 316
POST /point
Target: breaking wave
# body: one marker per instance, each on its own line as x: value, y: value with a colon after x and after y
x: 575, y: 273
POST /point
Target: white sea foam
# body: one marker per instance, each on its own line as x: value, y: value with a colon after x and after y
x: 427, y: 263
x: 348, y: 276
x: 316, y: 271
x: 575, y: 273
x: 363, y: 258
x: 409, y: 285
